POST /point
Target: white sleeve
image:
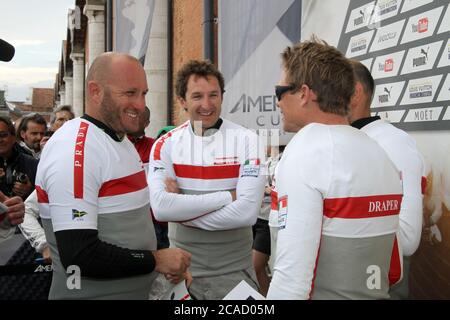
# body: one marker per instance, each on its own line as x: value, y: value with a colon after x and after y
x: 174, y: 207
x: 410, y: 162
x: 298, y: 242
x: 30, y: 227
x: 240, y: 213
x: 303, y: 178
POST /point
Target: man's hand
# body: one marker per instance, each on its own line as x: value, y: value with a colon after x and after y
x: 46, y: 254
x: 187, y: 276
x: 16, y: 209
x: 172, y: 185
x: 172, y: 261
x: 233, y: 195
x: 22, y: 189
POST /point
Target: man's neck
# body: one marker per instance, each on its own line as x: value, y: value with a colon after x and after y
x: 108, y: 130
x: 198, y: 129
x: 331, y: 119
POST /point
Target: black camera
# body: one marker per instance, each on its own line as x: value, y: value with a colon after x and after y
x: 20, y: 177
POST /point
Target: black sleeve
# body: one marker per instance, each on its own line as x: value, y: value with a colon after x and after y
x: 98, y: 259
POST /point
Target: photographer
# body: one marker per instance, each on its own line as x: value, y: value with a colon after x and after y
x: 17, y: 169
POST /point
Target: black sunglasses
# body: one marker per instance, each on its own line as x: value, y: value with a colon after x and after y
x: 280, y: 90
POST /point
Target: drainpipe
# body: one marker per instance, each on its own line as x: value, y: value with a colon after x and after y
x: 208, y: 30
x: 169, y: 61
x: 109, y: 27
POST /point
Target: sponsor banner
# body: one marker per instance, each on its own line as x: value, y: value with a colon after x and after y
x: 421, y: 90
x: 360, y: 17
x: 394, y: 116
x: 413, y: 4
x: 252, y: 34
x: 359, y: 44
x: 385, y: 9
x: 387, y: 95
x: 444, y: 94
x: 421, y: 58
x: 408, y: 55
x: 422, y: 25
x: 424, y: 114
x: 387, y: 65
x: 447, y: 114
x: 445, y: 58
x: 367, y: 63
x: 387, y: 36
x: 445, y: 25
x: 132, y: 24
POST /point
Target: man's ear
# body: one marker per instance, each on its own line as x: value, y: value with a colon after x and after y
x: 95, y: 91
x: 182, y: 103
x: 306, y: 94
x: 359, y: 95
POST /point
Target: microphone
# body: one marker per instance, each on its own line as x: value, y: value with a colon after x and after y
x: 6, y: 51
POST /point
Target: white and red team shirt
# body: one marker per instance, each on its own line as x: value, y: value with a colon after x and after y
x: 402, y: 150
x: 206, y: 168
x: 339, y: 197
x: 88, y: 180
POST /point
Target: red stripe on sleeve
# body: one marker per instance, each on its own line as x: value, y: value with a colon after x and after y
x: 42, y: 196
x: 78, y: 163
x: 162, y: 140
x: 395, y: 268
x: 131, y: 183
x: 424, y: 184
x: 210, y: 172
x: 159, y: 145
x: 363, y: 207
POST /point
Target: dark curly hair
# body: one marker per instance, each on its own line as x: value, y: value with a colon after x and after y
x: 199, y: 68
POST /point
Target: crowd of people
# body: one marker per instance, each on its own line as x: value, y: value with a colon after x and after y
x: 332, y: 215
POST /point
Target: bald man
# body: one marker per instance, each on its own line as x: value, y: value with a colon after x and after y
x: 93, y: 196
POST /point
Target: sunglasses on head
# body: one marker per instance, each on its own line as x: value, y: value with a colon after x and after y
x: 280, y: 90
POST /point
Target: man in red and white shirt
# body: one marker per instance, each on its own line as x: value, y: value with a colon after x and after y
x: 93, y: 194
x: 402, y: 150
x: 339, y: 195
x: 206, y: 179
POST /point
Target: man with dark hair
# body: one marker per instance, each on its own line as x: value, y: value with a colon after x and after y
x: 206, y: 180
x: 31, y: 228
x: 143, y: 145
x: 402, y: 150
x: 93, y: 195
x: 338, y: 193
x: 61, y: 115
x: 31, y: 130
x: 12, y: 163
x: 17, y: 169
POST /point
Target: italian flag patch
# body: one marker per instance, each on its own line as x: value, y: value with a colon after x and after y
x: 252, y: 162
x: 251, y: 168
x: 282, y: 211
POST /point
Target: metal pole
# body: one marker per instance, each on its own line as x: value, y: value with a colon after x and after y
x: 109, y: 31
x: 169, y: 61
x: 208, y: 30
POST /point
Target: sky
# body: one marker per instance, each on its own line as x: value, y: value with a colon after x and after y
x: 36, y: 28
